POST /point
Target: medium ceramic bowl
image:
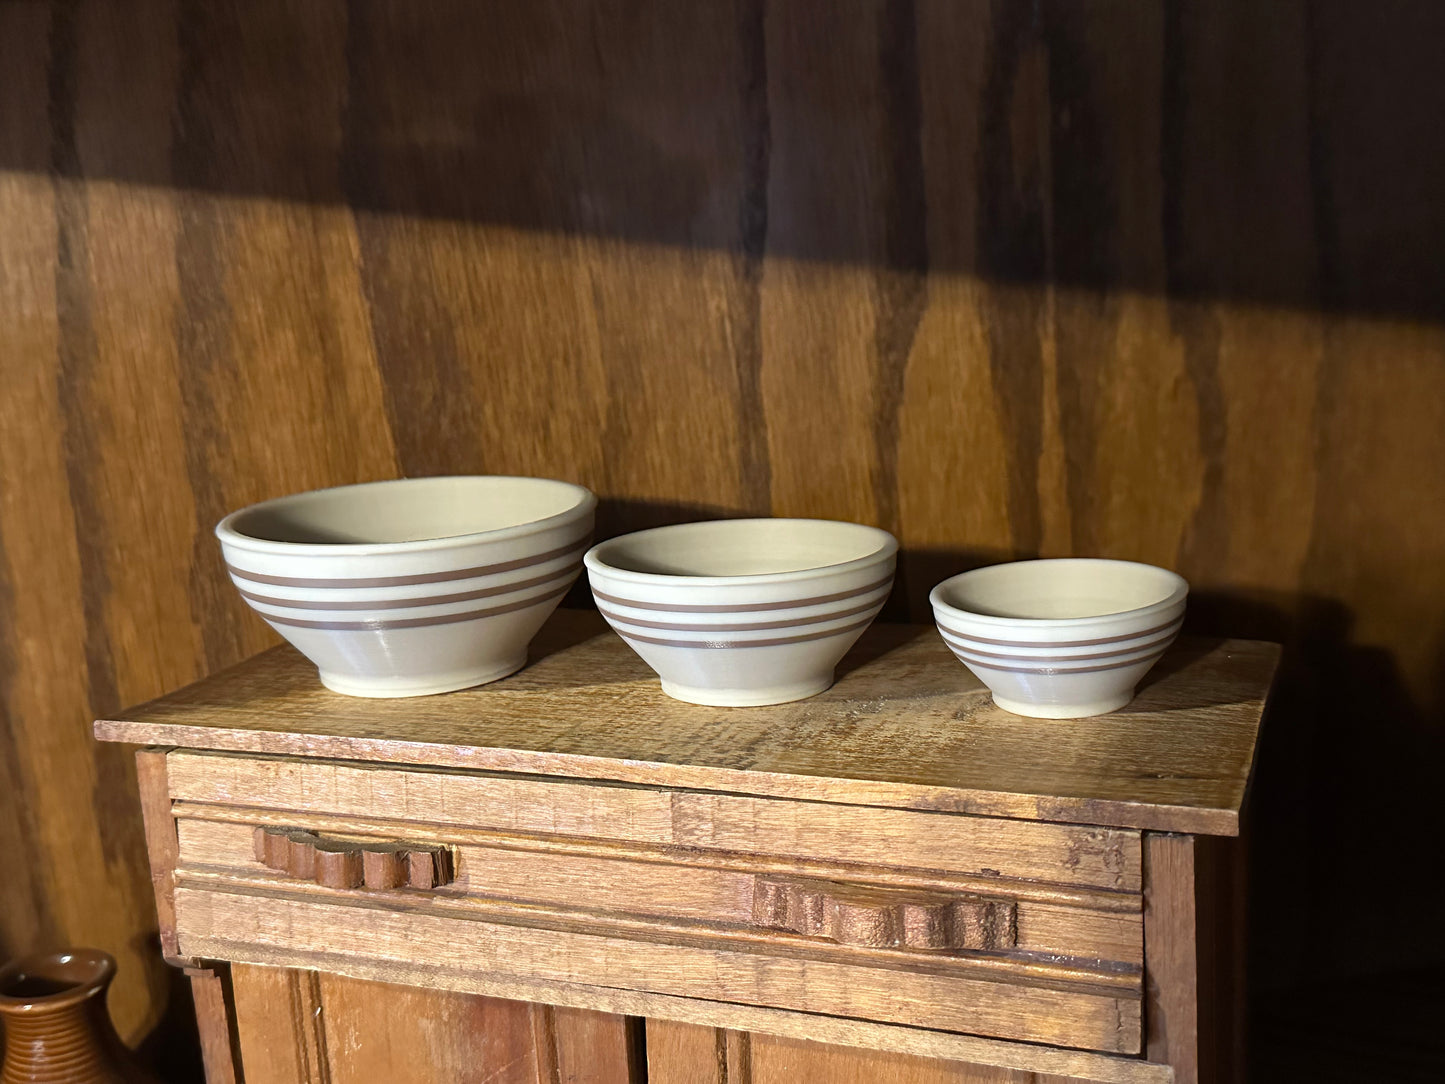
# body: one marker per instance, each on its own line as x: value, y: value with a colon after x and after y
x: 743, y: 611
x: 1060, y: 639
x: 411, y: 587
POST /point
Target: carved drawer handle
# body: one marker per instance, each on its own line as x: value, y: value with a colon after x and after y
x: 345, y: 863
x: 880, y: 918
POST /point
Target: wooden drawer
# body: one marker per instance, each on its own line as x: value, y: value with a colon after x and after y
x: 1009, y: 929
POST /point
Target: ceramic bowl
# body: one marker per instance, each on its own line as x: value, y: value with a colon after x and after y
x: 744, y: 611
x: 411, y: 587
x: 1060, y: 639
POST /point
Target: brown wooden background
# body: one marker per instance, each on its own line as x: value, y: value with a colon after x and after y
x: 1137, y: 279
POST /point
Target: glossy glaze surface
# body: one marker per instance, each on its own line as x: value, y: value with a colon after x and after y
x: 411, y: 587
x: 744, y: 612
x: 1061, y: 639
x: 57, y: 1030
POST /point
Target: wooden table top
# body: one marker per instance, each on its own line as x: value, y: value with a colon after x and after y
x: 906, y: 726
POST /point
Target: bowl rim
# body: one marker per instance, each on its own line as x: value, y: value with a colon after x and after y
x: 1176, y: 596
x: 586, y: 502
x: 99, y: 969
x: 887, y: 547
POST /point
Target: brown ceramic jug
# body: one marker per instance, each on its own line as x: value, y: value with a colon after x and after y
x: 57, y: 1029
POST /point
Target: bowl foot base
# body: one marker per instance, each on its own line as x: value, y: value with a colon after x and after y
x: 430, y: 685
x: 748, y: 698
x: 1064, y: 711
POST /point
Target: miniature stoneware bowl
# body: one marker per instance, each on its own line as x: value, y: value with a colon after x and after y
x: 1060, y: 639
x: 411, y: 587
x: 744, y: 611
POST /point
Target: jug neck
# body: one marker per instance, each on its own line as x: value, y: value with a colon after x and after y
x: 55, y: 1019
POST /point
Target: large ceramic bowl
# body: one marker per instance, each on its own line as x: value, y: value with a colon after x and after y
x: 744, y: 611
x: 1060, y: 639
x: 411, y: 587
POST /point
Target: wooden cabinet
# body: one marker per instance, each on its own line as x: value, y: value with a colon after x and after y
x: 297, y: 1026
x: 568, y: 876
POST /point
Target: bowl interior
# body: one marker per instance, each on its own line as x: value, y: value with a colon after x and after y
x: 1060, y: 589
x: 407, y: 510
x: 742, y: 547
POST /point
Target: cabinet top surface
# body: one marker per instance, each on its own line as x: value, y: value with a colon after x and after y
x: 905, y: 726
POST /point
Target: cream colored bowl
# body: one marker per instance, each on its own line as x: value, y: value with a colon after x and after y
x: 411, y: 587
x: 744, y: 611
x: 1060, y: 639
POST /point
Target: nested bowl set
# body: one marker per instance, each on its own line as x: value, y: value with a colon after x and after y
x: 428, y: 585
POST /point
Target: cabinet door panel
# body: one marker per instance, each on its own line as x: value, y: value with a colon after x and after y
x: 309, y: 1027
x: 689, y: 1054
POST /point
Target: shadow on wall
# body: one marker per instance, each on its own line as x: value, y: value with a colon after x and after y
x: 1342, y: 820
x: 1286, y: 157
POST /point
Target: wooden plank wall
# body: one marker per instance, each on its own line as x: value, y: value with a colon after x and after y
x: 1148, y: 280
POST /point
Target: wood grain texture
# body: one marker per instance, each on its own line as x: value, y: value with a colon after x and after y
x: 1171, y: 956
x: 905, y: 726
x: 1148, y: 280
x: 222, y: 834
x: 689, y: 1054
x: 279, y: 1027
x: 1091, y: 976
x: 1065, y: 949
x: 300, y: 1027
x: 380, y: 865
x: 58, y: 795
x: 162, y: 842
x: 1194, y: 923
x: 692, y: 885
x: 1025, y: 1057
x: 981, y: 846
x: 215, y: 1000
x: 455, y: 942
x: 588, y: 1047
x: 854, y: 915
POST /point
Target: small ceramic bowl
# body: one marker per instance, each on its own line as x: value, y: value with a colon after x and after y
x: 744, y: 611
x: 1060, y: 639
x: 411, y: 587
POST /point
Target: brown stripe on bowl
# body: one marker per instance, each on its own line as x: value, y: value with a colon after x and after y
x: 746, y: 626
x: 1050, y: 669
x: 1059, y: 663
x: 774, y: 642
x: 422, y: 600
x: 956, y: 639
x: 418, y: 622
x: 1172, y: 623
x: 746, y: 607
x: 405, y: 581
